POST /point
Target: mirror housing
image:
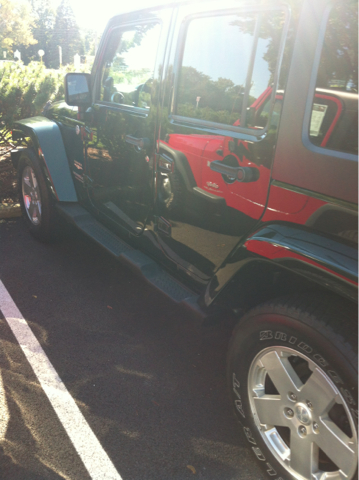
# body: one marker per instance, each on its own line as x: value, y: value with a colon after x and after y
x: 78, y: 89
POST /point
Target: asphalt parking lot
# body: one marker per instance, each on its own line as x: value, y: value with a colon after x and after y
x: 145, y: 382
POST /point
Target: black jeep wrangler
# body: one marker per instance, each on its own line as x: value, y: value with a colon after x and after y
x: 214, y: 148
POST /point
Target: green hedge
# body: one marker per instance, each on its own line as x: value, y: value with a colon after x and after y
x: 24, y: 91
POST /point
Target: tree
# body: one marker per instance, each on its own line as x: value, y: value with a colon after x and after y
x: 339, y: 60
x: 66, y: 34
x: 16, y: 23
x: 340, y: 53
x: 90, y: 39
x: 42, y: 30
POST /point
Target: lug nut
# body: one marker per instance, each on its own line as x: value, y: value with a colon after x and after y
x: 302, y: 431
x: 288, y: 412
x: 309, y: 405
x: 292, y: 397
x: 315, y: 427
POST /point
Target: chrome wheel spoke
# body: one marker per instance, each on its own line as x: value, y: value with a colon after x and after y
x: 281, y: 373
x: 304, y: 455
x: 26, y: 185
x: 321, y: 392
x: 269, y: 409
x: 27, y: 201
x: 34, y: 181
x: 38, y: 208
x: 36, y: 212
x: 31, y: 210
x: 31, y: 195
x: 336, y: 445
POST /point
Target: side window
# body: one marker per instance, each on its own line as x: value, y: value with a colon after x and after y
x: 228, y: 68
x: 334, y: 119
x: 128, y: 67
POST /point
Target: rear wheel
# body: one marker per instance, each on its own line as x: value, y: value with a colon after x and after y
x: 293, y: 384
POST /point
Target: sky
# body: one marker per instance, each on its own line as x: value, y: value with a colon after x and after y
x: 94, y: 14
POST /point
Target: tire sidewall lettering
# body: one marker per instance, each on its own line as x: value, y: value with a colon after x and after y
x: 309, y: 351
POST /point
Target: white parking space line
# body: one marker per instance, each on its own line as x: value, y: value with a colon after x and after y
x: 95, y: 459
x: 5, y: 415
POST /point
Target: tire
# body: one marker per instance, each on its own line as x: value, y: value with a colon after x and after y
x: 35, y: 200
x: 171, y: 191
x: 293, y: 385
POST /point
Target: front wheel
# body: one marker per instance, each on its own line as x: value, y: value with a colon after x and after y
x: 171, y: 191
x: 293, y: 385
x: 35, y: 200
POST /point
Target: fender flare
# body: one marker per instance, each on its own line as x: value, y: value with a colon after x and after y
x: 181, y: 165
x: 330, y: 262
x: 184, y: 169
x: 49, y: 146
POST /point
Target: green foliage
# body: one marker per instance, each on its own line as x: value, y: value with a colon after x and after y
x: 66, y: 34
x: 219, y: 100
x: 209, y: 114
x: 24, y: 91
x: 16, y: 25
x: 130, y: 77
x: 339, y: 60
x: 90, y: 39
x: 51, y: 30
x: 43, y: 25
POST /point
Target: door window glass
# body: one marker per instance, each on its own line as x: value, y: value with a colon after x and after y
x: 228, y: 67
x: 128, y: 68
x: 334, y: 119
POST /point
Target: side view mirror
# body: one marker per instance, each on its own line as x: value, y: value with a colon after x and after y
x: 78, y: 89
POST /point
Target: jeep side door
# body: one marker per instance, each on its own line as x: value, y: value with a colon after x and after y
x: 122, y: 120
x: 216, y: 149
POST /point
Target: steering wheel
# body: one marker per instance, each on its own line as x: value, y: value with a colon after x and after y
x: 117, y: 97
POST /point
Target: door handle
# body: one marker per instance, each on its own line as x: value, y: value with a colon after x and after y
x: 139, y: 143
x: 241, y: 174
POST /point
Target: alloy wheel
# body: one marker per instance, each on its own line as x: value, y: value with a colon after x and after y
x: 31, y: 195
x: 301, y: 415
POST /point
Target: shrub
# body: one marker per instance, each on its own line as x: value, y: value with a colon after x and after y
x: 24, y: 91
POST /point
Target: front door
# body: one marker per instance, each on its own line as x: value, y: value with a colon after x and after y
x: 120, y: 147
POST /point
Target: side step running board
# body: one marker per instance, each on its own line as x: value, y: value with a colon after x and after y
x: 144, y: 265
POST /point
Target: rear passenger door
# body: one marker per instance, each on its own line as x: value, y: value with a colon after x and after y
x: 217, y: 140
x: 317, y: 150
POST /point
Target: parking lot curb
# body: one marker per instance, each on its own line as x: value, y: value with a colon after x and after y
x: 10, y: 210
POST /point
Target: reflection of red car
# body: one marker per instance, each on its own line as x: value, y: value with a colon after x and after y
x: 332, y: 115
x: 202, y: 150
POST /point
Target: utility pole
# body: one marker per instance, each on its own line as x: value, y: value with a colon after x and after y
x: 60, y: 55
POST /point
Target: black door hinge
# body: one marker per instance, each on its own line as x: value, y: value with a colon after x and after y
x: 87, y: 181
x: 163, y: 226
